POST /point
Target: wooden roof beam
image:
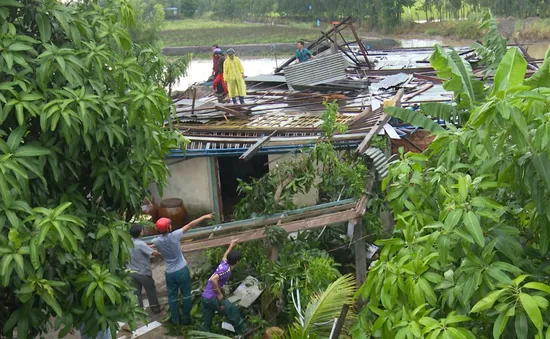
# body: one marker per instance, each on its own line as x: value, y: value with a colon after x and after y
x: 382, y: 120
x: 256, y: 147
x: 316, y: 222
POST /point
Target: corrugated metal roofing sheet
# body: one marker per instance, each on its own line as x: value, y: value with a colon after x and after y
x: 269, y: 78
x: 391, y: 81
x: 317, y: 71
x: 379, y: 160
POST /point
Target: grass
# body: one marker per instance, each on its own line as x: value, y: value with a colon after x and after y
x: 463, y: 29
x: 204, y: 32
x: 532, y: 30
x: 174, y: 25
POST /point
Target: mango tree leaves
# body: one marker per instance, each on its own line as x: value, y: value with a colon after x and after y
x: 500, y: 325
x: 487, y: 302
x: 44, y: 26
x: 472, y: 225
x: 532, y: 310
x: 65, y: 103
x: 490, y: 231
x: 522, y: 328
x: 542, y: 166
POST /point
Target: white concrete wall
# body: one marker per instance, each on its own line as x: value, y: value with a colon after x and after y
x: 190, y: 180
x: 302, y: 199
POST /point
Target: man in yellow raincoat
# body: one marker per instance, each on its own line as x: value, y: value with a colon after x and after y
x: 233, y: 75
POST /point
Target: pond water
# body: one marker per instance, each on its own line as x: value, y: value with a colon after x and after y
x: 201, y: 69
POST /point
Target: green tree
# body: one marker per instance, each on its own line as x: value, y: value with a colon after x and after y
x: 81, y: 139
x: 468, y: 258
x: 386, y: 14
x: 173, y: 69
x: 188, y: 8
x: 149, y: 22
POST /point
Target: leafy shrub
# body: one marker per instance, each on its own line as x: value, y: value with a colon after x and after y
x: 468, y: 257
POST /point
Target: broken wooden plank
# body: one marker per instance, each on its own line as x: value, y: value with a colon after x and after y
x: 367, y: 112
x: 523, y: 50
x: 360, y: 43
x: 231, y: 111
x: 325, y: 220
x: 361, y: 206
x: 199, y: 233
x: 286, y: 216
x: 360, y: 253
x: 433, y: 79
x: 420, y: 91
x: 339, y: 324
x: 274, y: 141
x: 382, y: 120
x: 256, y: 147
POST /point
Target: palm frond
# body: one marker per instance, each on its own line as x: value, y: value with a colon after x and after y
x: 325, y: 307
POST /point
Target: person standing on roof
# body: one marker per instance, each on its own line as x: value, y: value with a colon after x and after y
x: 215, y: 58
x: 219, y: 85
x: 233, y: 75
x: 303, y: 54
x: 177, y: 272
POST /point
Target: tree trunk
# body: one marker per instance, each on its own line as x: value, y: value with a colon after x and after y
x: 426, y: 12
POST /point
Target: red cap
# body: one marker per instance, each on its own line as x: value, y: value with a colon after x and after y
x: 163, y: 224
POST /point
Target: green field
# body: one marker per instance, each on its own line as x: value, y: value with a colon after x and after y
x: 192, y: 32
x: 197, y: 32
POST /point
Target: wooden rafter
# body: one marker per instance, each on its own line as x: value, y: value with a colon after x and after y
x: 256, y: 147
x: 382, y: 120
x: 301, y: 225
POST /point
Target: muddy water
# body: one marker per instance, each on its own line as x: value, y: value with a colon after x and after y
x: 201, y: 69
x: 537, y: 50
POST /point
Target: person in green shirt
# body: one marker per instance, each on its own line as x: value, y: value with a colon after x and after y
x: 303, y: 54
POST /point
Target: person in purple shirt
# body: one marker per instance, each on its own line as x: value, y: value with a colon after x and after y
x: 212, y: 297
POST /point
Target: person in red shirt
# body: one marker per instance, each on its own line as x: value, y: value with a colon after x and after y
x: 219, y: 85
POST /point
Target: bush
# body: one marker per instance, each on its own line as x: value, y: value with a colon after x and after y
x: 468, y: 258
